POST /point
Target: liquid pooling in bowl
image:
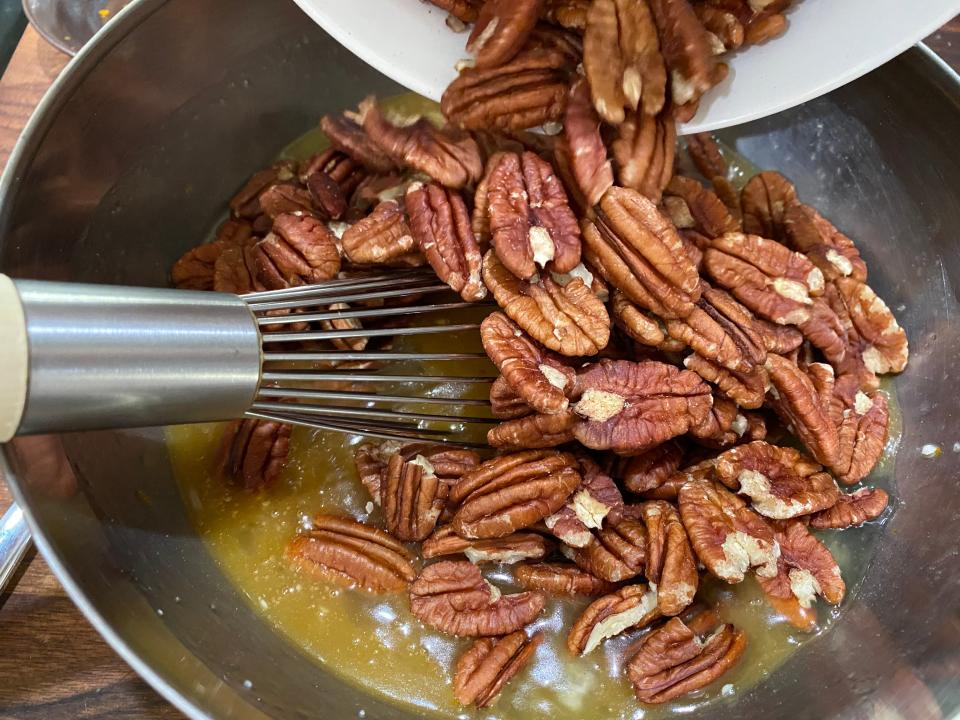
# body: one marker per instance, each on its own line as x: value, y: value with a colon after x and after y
x: 375, y: 643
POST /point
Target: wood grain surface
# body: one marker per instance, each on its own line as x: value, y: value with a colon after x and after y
x: 53, y: 665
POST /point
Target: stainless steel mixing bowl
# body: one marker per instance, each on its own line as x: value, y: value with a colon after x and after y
x: 128, y: 162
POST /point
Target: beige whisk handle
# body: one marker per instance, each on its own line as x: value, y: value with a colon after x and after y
x: 13, y: 359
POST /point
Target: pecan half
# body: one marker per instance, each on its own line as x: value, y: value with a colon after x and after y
x: 381, y: 238
x: 720, y: 428
x: 637, y: 250
x: 571, y: 14
x: 585, y: 149
x: 568, y: 319
x: 781, y: 482
x: 630, y: 407
x: 345, y: 552
x: 441, y: 225
x: 805, y: 570
x: 674, y: 660
x: 807, y: 231
x: 702, y: 147
x: 501, y: 30
x: 531, y: 223
x: 686, y: 50
x: 448, y: 156
x: 621, y: 58
x: 885, y: 347
x: 670, y: 564
x: 643, y: 328
x: 300, y: 250
x: 508, y: 549
x: 746, y: 389
x: 862, y: 437
x: 727, y: 536
x: 596, y: 497
x: 533, y: 431
x: 448, y: 463
x: 764, y: 202
x: 511, y: 492
x: 489, y: 664
x: 194, y: 269
x: 349, y: 137
x: 691, y: 205
x: 643, y: 152
x: 505, y: 404
x: 253, y: 453
x: 650, y: 469
x: 526, y: 92
x: 412, y: 497
x: 779, y: 339
x: 346, y: 172
x: 629, y: 607
x: 538, y: 377
x: 453, y: 597
x: 286, y: 198
x: 617, y: 552
x: 246, y: 203
x: 465, y: 11
x: 852, y: 509
x: 561, y: 579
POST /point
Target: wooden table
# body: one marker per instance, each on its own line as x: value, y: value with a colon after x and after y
x: 53, y: 664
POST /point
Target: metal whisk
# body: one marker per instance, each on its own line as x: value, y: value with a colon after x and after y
x: 82, y: 357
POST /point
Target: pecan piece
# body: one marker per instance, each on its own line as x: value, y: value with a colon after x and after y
x: 596, y: 497
x: 781, y: 482
x: 452, y: 597
x: 568, y: 319
x: 571, y: 14
x: 448, y: 463
x: 764, y: 202
x: 585, y: 149
x: 508, y: 549
x: 488, y: 665
x: 722, y: 427
x: 746, y: 389
x: 448, y: 156
x: 561, y: 579
x: 670, y: 564
x: 727, y: 536
x: 702, y: 147
x: 805, y: 570
x: 807, y: 231
x: 638, y: 251
x: 511, y: 492
x: 343, y: 551
x: 862, y: 437
x: 686, y: 50
x: 621, y: 58
x: 505, y: 404
x: 286, y: 198
x: 346, y: 135
x: 196, y: 269
x: 235, y: 269
x: 675, y: 659
x: 412, y: 497
x: 531, y: 223
x: 643, y: 153
x: 441, y: 226
x: 643, y: 328
x: 501, y: 30
x: 526, y: 92
x: 629, y: 607
x: 381, y: 238
x: 465, y: 11
x: 617, y: 551
x: 346, y: 172
x: 650, y: 469
x: 691, y: 205
x: 725, y: 31
x: 533, y: 431
x: 246, y: 203
x: 253, y: 453
x: 300, y: 250
x: 630, y: 407
x: 885, y: 343
x: 852, y: 509
x: 779, y: 339
x: 538, y: 377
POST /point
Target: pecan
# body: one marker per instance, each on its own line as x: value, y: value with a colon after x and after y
x: 533, y: 431
x: 670, y: 564
x: 346, y: 172
x: 708, y: 214
x: 795, y: 399
x: 781, y: 482
x: 349, y: 137
x: 640, y: 326
x: 450, y: 157
x: 538, y: 377
x: 588, y: 155
x: 852, y: 509
x: 356, y: 344
x: 253, y: 453
x: 779, y: 339
x: 720, y: 427
x: 629, y: 607
x: 643, y: 152
x: 726, y: 33
x: 630, y: 407
x: 235, y: 269
x: 501, y: 30
x: 862, y: 437
x: 727, y: 536
x: 885, y: 347
x: 530, y: 220
x: 746, y: 389
x: 638, y: 251
x: 561, y: 579
x: 596, y: 497
x: 452, y: 597
x: 441, y: 225
x: 571, y: 14
x: 286, y: 198
x: 448, y: 463
x: 246, y: 203
x: 300, y: 250
x: 805, y: 569
x: 764, y: 202
x: 505, y: 404
x: 463, y: 10
x: 328, y: 198
x: 568, y: 319
x: 617, y: 551
x: 650, y: 469
x: 765, y: 26
x: 488, y: 665
x: 194, y: 270
x: 511, y: 492
x: 526, y: 92
x: 508, y: 549
x: 621, y: 58
x: 412, y: 497
x: 686, y: 50
x: 381, y: 238
x: 807, y: 231
x: 343, y: 551
x: 675, y: 659
x: 704, y: 150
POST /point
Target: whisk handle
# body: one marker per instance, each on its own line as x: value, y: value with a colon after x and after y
x: 85, y: 357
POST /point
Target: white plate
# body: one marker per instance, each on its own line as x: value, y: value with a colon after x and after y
x: 828, y: 43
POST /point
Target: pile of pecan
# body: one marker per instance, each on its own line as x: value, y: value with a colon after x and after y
x: 658, y: 337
